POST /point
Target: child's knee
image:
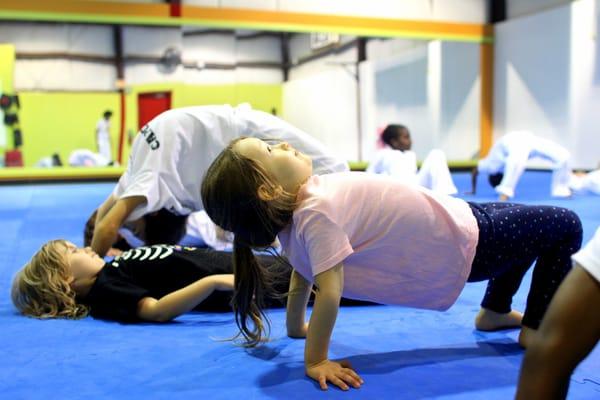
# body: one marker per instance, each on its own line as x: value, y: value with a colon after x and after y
x: 549, y: 349
x: 574, y: 229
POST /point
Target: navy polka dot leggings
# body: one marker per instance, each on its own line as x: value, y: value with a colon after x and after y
x: 513, y: 236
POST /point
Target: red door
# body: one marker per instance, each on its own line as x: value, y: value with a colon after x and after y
x: 152, y: 104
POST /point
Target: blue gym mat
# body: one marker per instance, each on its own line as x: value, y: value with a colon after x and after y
x: 401, y: 353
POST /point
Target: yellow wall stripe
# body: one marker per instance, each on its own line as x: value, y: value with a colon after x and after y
x: 159, y: 14
x: 336, y: 22
x: 88, y: 7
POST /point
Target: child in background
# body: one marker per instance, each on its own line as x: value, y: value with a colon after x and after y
x: 586, y: 182
x: 155, y: 283
x: 399, y: 161
x: 375, y: 238
x: 508, y: 157
x: 569, y: 331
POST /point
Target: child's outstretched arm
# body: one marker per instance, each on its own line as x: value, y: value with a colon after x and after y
x: 182, y: 300
x: 327, y: 301
x: 298, y: 296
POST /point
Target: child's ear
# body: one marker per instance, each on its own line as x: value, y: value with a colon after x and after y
x: 266, y: 193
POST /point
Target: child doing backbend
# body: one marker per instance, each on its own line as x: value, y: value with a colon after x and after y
x: 374, y: 238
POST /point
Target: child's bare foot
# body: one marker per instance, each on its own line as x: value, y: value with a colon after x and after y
x: 526, y: 336
x: 488, y: 320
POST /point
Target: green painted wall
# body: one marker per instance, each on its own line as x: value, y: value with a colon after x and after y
x: 7, y: 66
x: 62, y: 122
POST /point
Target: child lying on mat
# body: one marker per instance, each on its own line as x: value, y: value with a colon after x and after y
x: 371, y: 237
x: 155, y: 283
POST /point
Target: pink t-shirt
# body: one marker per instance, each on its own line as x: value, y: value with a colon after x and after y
x: 399, y: 243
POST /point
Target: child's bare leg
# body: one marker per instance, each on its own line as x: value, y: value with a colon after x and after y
x: 526, y: 336
x: 568, y: 333
x: 488, y: 320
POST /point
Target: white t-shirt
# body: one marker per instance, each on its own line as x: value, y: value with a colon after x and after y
x: 510, y: 153
x: 172, y: 153
x: 398, y: 164
x: 589, y: 256
x: 399, y: 243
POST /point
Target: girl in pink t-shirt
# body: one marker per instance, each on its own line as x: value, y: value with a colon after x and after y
x: 374, y: 238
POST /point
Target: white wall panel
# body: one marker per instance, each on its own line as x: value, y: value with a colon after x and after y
x: 519, y: 8
x: 63, y: 75
x: 547, y: 78
x: 211, y: 47
x: 91, y: 39
x: 141, y: 73
x: 531, y: 75
x: 58, y: 38
x: 585, y: 83
x: 432, y: 88
x: 258, y: 49
x: 459, y: 96
x: 150, y: 41
x: 321, y: 99
x: 209, y: 77
x: 259, y: 75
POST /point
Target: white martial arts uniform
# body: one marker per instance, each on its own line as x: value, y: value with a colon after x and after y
x: 171, y: 154
x: 510, y: 153
x: 589, y: 182
x: 87, y: 158
x: 434, y: 173
x: 103, y: 138
x: 589, y: 256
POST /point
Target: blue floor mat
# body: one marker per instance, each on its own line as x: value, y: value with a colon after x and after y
x: 401, y: 353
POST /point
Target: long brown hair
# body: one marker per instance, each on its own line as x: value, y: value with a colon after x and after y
x: 41, y: 288
x: 230, y: 196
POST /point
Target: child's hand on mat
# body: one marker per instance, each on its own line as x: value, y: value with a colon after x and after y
x: 223, y: 281
x: 340, y: 373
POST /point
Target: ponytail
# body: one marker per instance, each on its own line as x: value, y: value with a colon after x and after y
x: 251, y: 286
x: 230, y: 196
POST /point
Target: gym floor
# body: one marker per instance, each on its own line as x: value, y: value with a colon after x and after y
x: 401, y: 353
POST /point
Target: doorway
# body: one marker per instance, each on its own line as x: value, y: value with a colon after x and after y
x: 152, y: 104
